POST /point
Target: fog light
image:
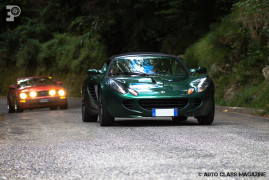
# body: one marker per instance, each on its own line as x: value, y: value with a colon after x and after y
x: 33, y: 94
x: 52, y: 92
x: 23, y: 96
x: 61, y: 92
x: 190, y: 91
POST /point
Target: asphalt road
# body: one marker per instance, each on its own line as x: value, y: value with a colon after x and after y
x: 44, y: 144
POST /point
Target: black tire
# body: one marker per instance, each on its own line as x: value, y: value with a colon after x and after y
x: 179, y: 118
x: 86, y: 117
x: 64, y: 106
x: 53, y: 108
x: 104, y: 117
x: 208, y: 119
x: 11, y: 109
x: 17, y: 108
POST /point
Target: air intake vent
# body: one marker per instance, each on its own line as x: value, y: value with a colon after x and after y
x: 163, y: 103
x: 128, y: 104
x: 92, y: 92
x: 197, y: 103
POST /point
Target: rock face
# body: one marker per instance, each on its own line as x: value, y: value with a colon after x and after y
x: 265, y: 72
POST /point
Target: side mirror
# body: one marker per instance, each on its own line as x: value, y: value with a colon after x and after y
x: 59, y: 83
x: 199, y: 70
x: 192, y: 71
x: 12, y: 87
x: 93, y: 72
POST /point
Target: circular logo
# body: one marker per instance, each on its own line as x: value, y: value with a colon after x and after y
x: 15, y: 11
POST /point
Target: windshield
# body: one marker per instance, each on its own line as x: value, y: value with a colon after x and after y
x: 39, y: 81
x: 147, y: 65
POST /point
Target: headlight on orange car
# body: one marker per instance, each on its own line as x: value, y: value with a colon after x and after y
x: 23, y: 96
x: 33, y: 94
x: 61, y: 92
x: 52, y: 92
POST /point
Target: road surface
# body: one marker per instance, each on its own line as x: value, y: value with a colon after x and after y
x: 45, y: 144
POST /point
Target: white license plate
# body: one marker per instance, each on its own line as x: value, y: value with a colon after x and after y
x: 43, y: 100
x: 164, y: 112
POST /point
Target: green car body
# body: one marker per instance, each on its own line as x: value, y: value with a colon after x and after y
x: 143, y: 93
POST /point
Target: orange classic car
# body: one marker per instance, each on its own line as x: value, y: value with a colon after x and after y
x: 36, y: 92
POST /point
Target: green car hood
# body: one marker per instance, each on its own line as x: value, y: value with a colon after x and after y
x: 156, y: 85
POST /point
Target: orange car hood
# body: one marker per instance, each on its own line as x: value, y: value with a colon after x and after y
x: 41, y: 88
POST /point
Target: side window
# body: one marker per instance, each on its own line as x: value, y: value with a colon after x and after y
x: 177, y: 69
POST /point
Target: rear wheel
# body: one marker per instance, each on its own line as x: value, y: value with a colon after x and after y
x: 86, y: 117
x: 104, y: 117
x: 179, y: 118
x: 208, y: 119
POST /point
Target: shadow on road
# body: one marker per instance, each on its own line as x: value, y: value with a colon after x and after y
x: 140, y: 123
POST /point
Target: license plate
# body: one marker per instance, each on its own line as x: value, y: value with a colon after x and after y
x: 43, y: 100
x: 164, y: 112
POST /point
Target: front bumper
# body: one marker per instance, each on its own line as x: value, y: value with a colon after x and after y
x: 42, y: 102
x: 197, y: 104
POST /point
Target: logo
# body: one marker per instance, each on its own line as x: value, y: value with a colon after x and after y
x: 14, y: 11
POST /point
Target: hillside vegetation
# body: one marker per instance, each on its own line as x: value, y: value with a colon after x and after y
x: 235, y: 52
x: 65, y: 38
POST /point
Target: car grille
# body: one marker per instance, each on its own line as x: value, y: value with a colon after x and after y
x: 92, y: 92
x: 42, y: 93
x: 163, y: 103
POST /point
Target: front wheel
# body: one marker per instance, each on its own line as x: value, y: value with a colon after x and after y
x: 65, y: 106
x: 208, y: 119
x: 53, y: 108
x: 86, y: 117
x: 104, y: 117
x: 17, y: 108
x: 11, y: 109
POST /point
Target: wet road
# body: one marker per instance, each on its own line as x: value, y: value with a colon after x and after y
x: 44, y: 144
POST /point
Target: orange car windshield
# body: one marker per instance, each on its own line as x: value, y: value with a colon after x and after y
x: 39, y: 81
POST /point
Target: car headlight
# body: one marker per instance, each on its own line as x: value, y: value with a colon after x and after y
x: 203, y: 84
x: 116, y: 86
x: 23, y: 96
x: 52, y: 92
x: 61, y: 92
x: 33, y: 94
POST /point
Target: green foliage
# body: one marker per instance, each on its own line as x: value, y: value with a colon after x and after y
x: 66, y: 53
x: 235, y: 51
x: 27, y: 54
x: 254, y: 16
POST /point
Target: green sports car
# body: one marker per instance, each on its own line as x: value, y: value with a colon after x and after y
x: 147, y: 85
